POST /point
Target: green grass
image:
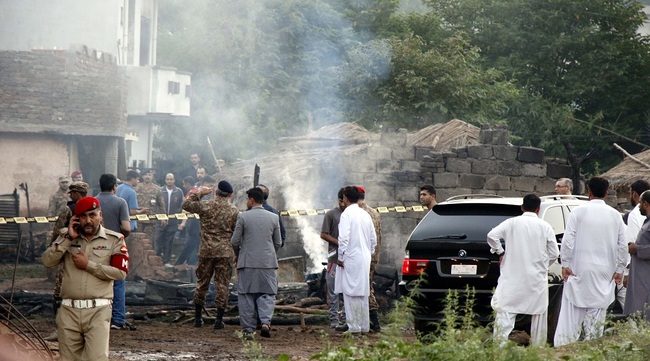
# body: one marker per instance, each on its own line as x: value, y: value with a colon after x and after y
x: 460, y: 339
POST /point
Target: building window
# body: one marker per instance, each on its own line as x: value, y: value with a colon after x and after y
x: 188, y: 91
x: 173, y: 87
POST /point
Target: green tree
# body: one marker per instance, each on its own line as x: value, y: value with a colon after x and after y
x: 260, y: 70
x: 585, y: 56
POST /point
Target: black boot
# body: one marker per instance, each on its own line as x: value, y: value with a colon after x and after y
x: 198, y: 310
x: 374, y: 321
x: 218, y: 323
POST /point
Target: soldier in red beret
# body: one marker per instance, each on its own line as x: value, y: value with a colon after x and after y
x: 77, y: 176
x: 93, y: 257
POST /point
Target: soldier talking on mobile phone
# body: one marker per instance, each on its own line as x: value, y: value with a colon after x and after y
x: 93, y: 257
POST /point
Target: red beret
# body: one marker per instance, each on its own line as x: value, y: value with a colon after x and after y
x: 85, y: 204
x: 75, y: 173
x: 361, y: 189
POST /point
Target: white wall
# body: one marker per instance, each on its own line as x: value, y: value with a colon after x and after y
x: 163, y: 101
x: 140, y: 149
x: 149, y: 92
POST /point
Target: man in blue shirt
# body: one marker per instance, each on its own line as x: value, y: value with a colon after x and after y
x: 126, y: 191
x: 115, y: 213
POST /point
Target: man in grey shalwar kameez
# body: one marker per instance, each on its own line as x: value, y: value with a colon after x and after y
x: 256, y: 239
x: 637, y: 298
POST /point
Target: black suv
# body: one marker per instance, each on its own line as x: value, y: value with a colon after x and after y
x: 449, y: 246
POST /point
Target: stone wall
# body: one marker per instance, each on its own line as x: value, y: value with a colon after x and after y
x: 392, y: 174
x: 494, y: 167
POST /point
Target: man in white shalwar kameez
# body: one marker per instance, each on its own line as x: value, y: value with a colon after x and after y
x: 357, y: 241
x: 634, y: 222
x: 522, y: 288
x: 593, y: 257
x: 638, y: 295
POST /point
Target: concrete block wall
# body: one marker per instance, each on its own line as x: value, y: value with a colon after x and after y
x: 392, y: 174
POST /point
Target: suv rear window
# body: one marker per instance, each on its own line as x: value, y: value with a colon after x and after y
x: 477, y: 219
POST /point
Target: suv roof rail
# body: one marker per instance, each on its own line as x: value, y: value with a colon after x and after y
x: 472, y: 196
x: 565, y: 196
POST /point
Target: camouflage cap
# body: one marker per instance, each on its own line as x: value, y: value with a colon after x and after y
x: 64, y: 179
x: 80, y: 187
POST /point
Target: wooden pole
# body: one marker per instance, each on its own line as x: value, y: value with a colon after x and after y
x: 631, y: 156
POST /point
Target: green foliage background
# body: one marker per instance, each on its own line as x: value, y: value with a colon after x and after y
x: 557, y: 72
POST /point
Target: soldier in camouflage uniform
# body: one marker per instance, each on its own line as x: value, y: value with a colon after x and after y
x: 216, y: 256
x: 372, y: 301
x: 77, y: 191
x: 149, y: 196
x: 59, y: 200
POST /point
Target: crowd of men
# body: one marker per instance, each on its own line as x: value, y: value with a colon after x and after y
x: 598, y: 250
x: 88, y: 247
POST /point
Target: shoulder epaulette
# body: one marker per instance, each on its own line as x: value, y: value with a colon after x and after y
x: 113, y: 233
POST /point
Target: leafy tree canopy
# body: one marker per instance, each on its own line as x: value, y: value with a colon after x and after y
x: 556, y: 71
x: 586, y: 56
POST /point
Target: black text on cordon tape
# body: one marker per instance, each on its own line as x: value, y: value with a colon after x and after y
x: 164, y: 217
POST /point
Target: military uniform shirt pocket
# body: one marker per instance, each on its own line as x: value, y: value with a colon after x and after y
x: 101, y: 255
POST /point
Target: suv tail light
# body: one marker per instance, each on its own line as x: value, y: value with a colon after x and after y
x: 413, y: 267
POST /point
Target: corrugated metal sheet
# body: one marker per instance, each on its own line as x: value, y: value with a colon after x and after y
x: 9, y: 233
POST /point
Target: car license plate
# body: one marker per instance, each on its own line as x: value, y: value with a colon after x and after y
x: 463, y: 269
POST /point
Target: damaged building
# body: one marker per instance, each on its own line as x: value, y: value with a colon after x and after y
x: 305, y: 173
x: 81, y: 89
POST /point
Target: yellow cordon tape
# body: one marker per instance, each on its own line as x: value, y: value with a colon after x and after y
x: 139, y: 217
x: 164, y: 217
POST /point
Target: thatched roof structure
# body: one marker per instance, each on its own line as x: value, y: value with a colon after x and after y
x: 445, y: 136
x: 306, y: 155
x: 349, y: 138
x: 627, y: 172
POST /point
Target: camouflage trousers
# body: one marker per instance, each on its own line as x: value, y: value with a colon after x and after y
x: 57, y: 281
x: 221, y: 268
x: 372, y: 301
x: 148, y: 228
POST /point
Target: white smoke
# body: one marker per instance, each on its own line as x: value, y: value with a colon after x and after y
x: 299, y: 192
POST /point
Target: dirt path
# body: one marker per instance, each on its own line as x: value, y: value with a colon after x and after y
x: 161, y: 339
x: 158, y: 340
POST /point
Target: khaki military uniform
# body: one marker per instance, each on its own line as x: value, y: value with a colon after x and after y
x: 376, y: 221
x: 216, y: 256
x: 58, y: 201
x: 83, y: 321
x: 61, y: 224
x: 149, y: 196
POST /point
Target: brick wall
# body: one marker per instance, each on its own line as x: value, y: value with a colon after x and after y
x: 73, y: 92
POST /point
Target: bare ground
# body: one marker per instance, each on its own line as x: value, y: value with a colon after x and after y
x: 157, y: 340
x: 160, y: 338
